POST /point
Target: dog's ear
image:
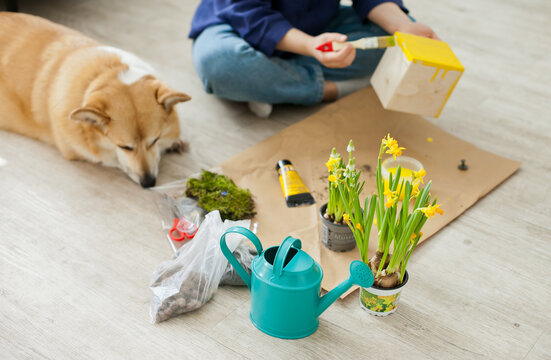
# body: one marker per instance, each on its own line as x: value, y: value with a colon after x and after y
x: 168, y: 97
x: 91, y: 116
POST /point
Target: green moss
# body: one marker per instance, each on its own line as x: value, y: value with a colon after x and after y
x: 219, y: 192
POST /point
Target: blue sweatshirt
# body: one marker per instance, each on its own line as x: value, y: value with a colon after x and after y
x: 262, y: 23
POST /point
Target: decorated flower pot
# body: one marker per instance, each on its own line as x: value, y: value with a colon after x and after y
x: 380, y: 301
x: 336, y: 237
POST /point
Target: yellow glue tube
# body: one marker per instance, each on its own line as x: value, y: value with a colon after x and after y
x: 294, y: 190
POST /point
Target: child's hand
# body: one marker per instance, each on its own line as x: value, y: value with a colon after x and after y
x: 338, y: 59
x: 298, y: 42
x: 416, y: 28
x: 391, y: 18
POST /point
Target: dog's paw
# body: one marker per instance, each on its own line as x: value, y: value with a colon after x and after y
x: 178, y: 147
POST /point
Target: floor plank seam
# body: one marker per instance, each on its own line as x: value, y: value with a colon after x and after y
x: 532, y: 348
x: 224, y: 345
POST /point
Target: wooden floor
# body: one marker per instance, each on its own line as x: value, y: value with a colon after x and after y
x: 78, y: 243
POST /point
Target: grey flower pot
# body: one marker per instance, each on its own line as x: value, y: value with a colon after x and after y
x: 336, y: 237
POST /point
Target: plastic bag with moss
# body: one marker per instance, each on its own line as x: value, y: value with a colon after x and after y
x: 219, y: 192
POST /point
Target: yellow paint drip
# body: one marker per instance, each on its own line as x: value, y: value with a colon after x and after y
x: 434, y: 76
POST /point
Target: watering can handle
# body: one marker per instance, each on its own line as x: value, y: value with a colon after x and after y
x: 282, y: 252
x: 231, y: 258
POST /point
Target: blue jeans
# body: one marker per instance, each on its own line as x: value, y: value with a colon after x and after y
x: 232, y: 69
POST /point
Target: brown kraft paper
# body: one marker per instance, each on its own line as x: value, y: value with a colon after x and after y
x: 307, y: 144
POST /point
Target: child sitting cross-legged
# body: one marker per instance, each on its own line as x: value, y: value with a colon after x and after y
x: 264, y: 52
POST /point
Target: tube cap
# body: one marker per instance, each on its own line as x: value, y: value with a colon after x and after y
x: 282, y: 163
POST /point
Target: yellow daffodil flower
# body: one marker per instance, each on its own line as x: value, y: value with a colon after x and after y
x: 431, y: 210
x: 395, y: 151
x: 415, y: 190
x: 346, y: 217
x: 375, y: 221
x: 332, y: 178
x: 389, y: 142
x: 359, y: 227
x: 427, y: 211
x: 413, y: 236
x: 418, y: 176
x: 392, y: 196
x: 332, y: 163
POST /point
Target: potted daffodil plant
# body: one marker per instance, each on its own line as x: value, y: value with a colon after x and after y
x: 398, y: 211
x: 336, y: 235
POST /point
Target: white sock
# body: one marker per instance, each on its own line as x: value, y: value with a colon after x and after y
x: 260, y: 109
x: 349, y: 86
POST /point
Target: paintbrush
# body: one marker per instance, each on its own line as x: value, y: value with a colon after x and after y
x: 375, y: 42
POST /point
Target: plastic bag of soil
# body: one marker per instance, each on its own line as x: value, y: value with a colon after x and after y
x: 190, y: 279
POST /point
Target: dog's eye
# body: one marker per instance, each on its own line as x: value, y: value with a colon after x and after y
x: 127, y: 148
x: 153, y: 142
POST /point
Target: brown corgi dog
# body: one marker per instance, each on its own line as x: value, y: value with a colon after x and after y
x: 93, y: 102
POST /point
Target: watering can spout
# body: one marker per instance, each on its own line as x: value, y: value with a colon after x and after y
x: 360, y: 274
x: 329, y: 298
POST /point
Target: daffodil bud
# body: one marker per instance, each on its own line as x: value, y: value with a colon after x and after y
x: 350, y: 146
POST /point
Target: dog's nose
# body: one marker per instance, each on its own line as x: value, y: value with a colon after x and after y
x: 148, y: 180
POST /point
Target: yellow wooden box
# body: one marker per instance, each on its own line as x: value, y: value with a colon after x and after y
x: 417, y: 75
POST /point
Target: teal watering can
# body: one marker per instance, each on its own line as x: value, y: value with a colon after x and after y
x: 285, y: 284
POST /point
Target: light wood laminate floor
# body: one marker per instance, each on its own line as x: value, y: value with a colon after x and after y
x: 78, y: 242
